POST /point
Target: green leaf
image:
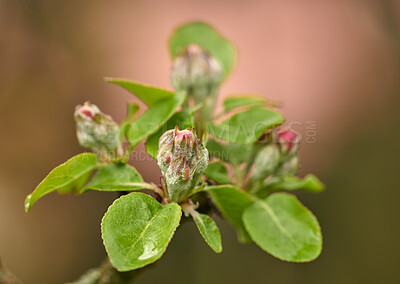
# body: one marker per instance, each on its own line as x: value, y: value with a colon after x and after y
x: 218, y: 172
x: 285, y: 228
x: 182, y: 119
x: 115, y: 177
x: 289, y: 182
x: 247, y: 126
x: 236, y: 102
x: 248, y: 100
x: 153, y: 118
x: 206, y: 37
x: 68, y: 177
x: 230, y: 153
x: 232, y: 202
x: 136, y: 230
x: 132, y: 109
x: 209, y: 230
x: 148, y: 94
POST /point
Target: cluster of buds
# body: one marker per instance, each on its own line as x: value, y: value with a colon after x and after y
x: 197, y: 72
x: 278, y: 158
x: 182, y: 159
x: 97, y: 131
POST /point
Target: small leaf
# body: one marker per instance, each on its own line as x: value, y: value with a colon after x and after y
x: 285, y: 228
x: 289, y: 182
x: 206, y: 37
x: 131, y: 110
x: 115, y: 177
x: 230, y: 153
x: 182, y: 119
x: 148, y: 94
x: 209, y: 230
x: 232, y: 202
x: 218, y: 172
x: 153, y: 118
x: 236, y: 102
x: 136, y: 230
x: 68, y: 177
x: 247, y: 126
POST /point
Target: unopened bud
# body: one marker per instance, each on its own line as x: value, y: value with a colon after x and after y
x: 196, y: 72
x: 86, y: 112
x: 96, y: 130
x: 290, y: 166
x: 182, y: 159
x: 266, y: 162
x: 288, y: 141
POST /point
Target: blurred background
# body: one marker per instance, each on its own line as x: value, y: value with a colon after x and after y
x: 335, y: 65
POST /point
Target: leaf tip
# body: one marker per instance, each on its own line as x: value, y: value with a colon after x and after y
x: 218, y: 250
x: 316, y: 184
x: 28, y: 204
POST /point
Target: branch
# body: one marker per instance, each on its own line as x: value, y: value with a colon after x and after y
x: 107, y: 274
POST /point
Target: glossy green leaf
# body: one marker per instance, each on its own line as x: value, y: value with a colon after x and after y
x: 68, y: 177
x: 289, y: 182
x: 236, y: 102
x: 209, y: 230
x: 182, y: 119
x: 154, y: 118
x: 148, y: 94
x: 230, y: 153
x: 218, y: 172
x: 247, y: 126
x: 136, y: 230
x: 232, y: 202
x: 285, y: 228
x: 206, y: 37
x: 115, y: 177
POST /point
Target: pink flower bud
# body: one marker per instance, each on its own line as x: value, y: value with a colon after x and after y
x: 88, y: 111
x: 288, y: 139
x: 182, y: 159
x: 197, y: 72
x: 96, y: 130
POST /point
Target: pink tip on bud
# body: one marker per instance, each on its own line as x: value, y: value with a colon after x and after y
x: 184, y: 138
x: 287, y: 137
x: 193, y: 49
x: 86, y: 112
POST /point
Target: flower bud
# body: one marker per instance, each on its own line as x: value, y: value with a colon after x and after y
x: 288, y: 141
x: 182, y: 159
x: 289, y: 167
x: 95, y: 130
x: 266, y: 162
x: 196, y: 72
